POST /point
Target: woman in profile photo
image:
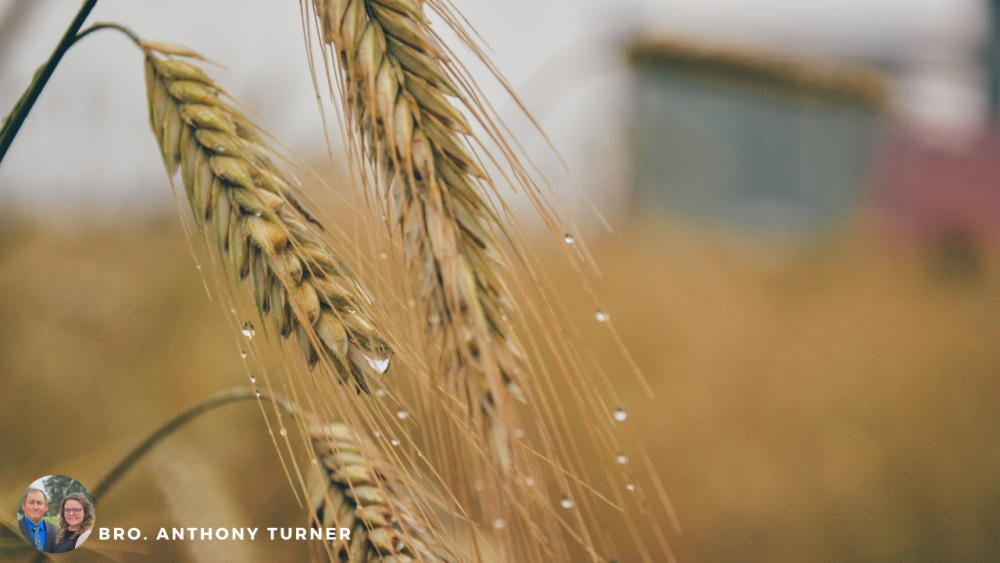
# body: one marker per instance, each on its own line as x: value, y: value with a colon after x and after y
x: 76, y: 518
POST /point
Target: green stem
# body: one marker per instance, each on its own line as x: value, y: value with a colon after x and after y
x: 213, y: 402
x: 12, y: 124
x: 108, y: 25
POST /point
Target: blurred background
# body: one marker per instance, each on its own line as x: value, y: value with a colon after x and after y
x: 805, y: 203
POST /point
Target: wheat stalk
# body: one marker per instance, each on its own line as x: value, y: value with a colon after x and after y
x: 366, y: 498
x: 261, y: 231
x: 397, y: 92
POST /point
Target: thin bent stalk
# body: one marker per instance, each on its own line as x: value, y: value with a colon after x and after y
x: 219, y: 399
x: 12, y: 123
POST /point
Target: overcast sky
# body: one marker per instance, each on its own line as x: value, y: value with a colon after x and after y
x: 87, y: 140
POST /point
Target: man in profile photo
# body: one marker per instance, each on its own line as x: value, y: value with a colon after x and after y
x: 37, y: 531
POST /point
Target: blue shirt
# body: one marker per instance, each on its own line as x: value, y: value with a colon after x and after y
x: 41, y: 530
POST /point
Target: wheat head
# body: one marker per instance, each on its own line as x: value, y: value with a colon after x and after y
x: 399, y: 97
x: 368, y: 499
x: 240, y: 198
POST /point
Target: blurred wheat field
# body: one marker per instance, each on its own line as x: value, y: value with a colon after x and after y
x: 838, y: 405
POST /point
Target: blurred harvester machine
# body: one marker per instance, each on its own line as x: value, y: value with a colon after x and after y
x: 756, y: 142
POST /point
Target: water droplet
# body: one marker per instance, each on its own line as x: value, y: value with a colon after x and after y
x: 314, y: 461
x: 352, y: 311
x: 621, y: 413
x: 601, y: 315
x: 420, y: 454
x: 621, y: 458
x: 258, y: 392
x: 198, y: 266
x: 434, y: 319
x: 232, y: 310
x: 529, y: 481
x: 257, y: 213
x: 377, y: 364
x: 380, y: 391
x: 377, y: 434
x: 567, y: 502
x: 499, y: 523
x: 402, y: 414
x: 282, y: 432
x: 518, y: 433
x: 479, y: 485
x: 569, y: 238
x: 630, y: 486
x: 504, y: 318
x: 411, y: 303
x: 394, y: 441
x: 253, y: 379
x: 247, y: 330
x: 243, y: 353
x: 383, y: 256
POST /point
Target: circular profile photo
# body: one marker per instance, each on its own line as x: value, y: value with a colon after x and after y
x: 56, y: 514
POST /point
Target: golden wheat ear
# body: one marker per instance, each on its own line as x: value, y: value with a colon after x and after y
x: 369, y: 500
x: 242, y: 200
x: 399, y: 97
x: 408, y: 105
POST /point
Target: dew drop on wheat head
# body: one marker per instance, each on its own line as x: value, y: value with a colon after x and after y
x: 402, y: 414
x: 253, y: 379
x: 630, y: 486
x: 282, y: 431
x: 377, y: 364
x: 568, y: 238
x: 621, y: 458
x: 247, y: 330
x: 243, y: 353
x: 567, y: 502
x: 258, y: 392
x: 621, y: 413
x: 499, y: 523
x: 395, y: 441
x: 601, y: 315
